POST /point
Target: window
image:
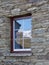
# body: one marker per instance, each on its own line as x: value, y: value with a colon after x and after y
x: 21, y: 33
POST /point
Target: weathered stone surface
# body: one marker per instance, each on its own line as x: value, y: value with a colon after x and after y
x: 39, y: 40
x: 40, y: 31
x: 39, y: 63
x: 15, y: 11
x: 32, y: 9
x: 7, y: 6
x: 42, y: 63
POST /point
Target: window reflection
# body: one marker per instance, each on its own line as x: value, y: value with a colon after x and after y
x: 22, y: 33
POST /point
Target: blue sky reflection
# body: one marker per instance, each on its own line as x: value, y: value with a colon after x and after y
x: 25, y: 24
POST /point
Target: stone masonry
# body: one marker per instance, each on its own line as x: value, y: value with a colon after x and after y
x: 40, y: 31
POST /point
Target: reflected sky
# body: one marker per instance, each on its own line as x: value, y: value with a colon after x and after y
x: 25, y: 24
x: 22, y: 33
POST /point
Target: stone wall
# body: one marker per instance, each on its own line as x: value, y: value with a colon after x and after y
x: 40, y: 31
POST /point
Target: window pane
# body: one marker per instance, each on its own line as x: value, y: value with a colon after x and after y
x: 18, y: 44
x: 27, y: 24
x: 22, y: 33
x: 27, y: 43
x: 17, y: 25
x: 18, y: 34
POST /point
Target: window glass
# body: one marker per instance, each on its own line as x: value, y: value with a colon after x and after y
x: 22, y: 33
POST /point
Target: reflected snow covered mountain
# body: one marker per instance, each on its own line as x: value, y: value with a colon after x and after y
x: 27, y: 33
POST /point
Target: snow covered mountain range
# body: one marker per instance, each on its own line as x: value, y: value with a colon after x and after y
x: 27, y: 34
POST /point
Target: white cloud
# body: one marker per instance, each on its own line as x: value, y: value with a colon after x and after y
x: 27, y: 33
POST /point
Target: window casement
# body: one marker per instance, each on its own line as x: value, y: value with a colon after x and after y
x: 21, y: 33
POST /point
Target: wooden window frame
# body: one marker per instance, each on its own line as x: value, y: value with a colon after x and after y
x: 11, y: 20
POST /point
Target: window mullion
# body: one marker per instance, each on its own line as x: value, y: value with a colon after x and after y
x: 23, y: 35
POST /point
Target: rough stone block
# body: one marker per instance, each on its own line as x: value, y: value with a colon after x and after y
x: 15, y: 11
x: 39, y: 40
x: 42, y: 63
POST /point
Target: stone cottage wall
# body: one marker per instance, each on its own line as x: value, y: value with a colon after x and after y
x: 40, y: 31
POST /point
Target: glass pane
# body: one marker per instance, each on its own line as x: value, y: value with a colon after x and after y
x: 19, y: 24
x: 18, y: 34
x: 22, y: 33
x: 27, y: 24
x: 27, y: 43
x: 18, y: 44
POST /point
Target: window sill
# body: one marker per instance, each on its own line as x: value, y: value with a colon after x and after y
x: 22, y: 50
x: 20, y: 53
